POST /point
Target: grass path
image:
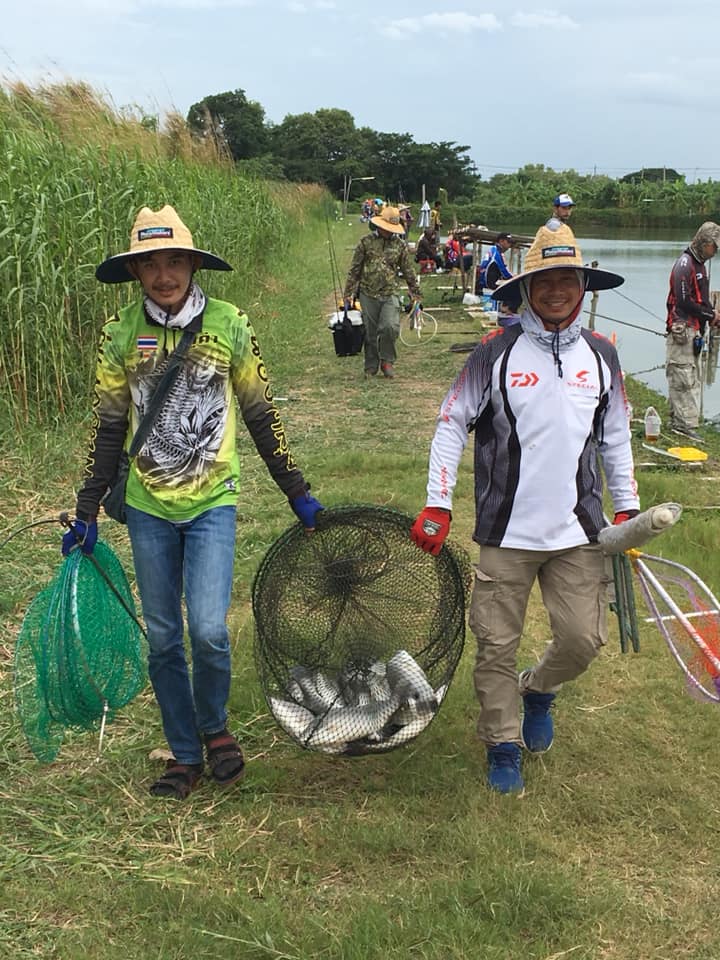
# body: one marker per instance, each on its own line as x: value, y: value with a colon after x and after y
x: 610, y: 855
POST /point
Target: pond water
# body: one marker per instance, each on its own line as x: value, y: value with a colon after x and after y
x: 645, y: 261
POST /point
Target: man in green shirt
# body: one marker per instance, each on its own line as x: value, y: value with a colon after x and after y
x: 184, y: 483
x: 378, y: 259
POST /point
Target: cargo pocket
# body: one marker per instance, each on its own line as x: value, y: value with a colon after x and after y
x: 481, y: 603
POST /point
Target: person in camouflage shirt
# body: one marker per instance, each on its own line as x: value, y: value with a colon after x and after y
x: 185, y: 481
x: 378, y: 259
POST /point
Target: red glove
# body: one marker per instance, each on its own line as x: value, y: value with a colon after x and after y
x: 430, y: 529
x: 624, y: 515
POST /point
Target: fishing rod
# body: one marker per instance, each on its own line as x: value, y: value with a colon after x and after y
x: 334, y: 269
x: 638, y: 305
x: 624, y: 323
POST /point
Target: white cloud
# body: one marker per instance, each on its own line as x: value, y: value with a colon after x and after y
x: 543, y: 19
x: 442, y: 23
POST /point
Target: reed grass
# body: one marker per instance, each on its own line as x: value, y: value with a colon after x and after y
x: 74, y: 177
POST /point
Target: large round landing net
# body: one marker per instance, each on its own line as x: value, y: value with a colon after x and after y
x: 78, y: 655
x: 357, y: 631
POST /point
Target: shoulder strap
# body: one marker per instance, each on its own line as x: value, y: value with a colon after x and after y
x: 161, y: 392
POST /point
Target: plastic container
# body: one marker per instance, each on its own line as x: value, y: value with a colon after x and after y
x: 652, y: 425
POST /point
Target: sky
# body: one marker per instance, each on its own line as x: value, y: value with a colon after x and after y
x: 608, y: 86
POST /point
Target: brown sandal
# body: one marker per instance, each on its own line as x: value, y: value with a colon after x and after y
x: 178, y: 781
x: 225, y: 758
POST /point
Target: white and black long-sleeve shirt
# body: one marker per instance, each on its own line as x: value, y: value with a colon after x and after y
x: 541, y: 422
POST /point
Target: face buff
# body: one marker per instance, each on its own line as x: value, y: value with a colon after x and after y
x: 194, y: 304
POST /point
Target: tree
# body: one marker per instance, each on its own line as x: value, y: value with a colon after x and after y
x: 234, y: 119
x: 652, y: 175
x: 320, y: 146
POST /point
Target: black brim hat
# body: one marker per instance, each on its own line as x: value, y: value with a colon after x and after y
x: 155, y: 230
x: 554, y: 250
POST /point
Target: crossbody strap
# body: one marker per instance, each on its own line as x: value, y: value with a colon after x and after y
x: 161, y: 392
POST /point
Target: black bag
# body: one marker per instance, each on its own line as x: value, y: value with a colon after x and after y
x: 114, y: 500
x: 113, y: 503
x: 348, y: 337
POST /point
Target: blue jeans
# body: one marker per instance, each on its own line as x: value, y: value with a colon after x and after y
x: 194, y: 557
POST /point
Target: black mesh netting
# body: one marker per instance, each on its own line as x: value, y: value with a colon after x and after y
x: 357, y: 631
x: 78, y: 654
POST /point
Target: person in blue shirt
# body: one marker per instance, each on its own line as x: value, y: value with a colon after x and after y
x: 492, y: 269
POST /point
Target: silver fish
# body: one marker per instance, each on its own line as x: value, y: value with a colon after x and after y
x: 292, y: 717
x: 377, y: 681
x: 294, y: 691
x: 327, y: 689
x: 310, y: 697
x: 402, y: 667
x: 407, y: 732
x: 354, y: 723
x: 354, y: 687
x: 441, y: 691
x: 414, y: 708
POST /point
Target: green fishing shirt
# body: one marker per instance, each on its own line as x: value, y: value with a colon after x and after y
x: 189, y: 462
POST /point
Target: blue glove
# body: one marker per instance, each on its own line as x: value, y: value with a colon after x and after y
x: 81, y: 534
x: 305, y: 507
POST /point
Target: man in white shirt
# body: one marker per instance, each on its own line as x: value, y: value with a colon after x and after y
x: 562, y: 208
x: 545, y: 399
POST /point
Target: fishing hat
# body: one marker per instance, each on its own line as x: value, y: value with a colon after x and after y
x: 388, y: 219
x: 563, y: 200
x: 553, y: 250
x: 155, y: 230
x: 503, y: 236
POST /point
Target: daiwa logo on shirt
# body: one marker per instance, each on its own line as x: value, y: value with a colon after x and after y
x: 521, y: 379
x: 153, y: 233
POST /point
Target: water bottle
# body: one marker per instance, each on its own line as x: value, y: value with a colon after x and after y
x: 652, y: 425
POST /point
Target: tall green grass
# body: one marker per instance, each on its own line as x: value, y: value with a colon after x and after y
x: 72, y: 182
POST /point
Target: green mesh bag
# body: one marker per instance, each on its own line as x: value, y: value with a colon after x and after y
x: 79, y: 654
x: 357, y: 631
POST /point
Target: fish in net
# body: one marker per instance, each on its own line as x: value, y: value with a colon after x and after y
x: 357, y: 631
x: 79, y: 655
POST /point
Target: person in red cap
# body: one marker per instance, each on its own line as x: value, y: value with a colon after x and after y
x: 546, y: 402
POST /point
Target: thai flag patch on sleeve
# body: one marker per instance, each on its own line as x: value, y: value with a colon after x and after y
x: 146, y: 344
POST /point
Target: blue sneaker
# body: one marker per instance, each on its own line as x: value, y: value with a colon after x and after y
x: 537, y: 725
x: 503, y: 773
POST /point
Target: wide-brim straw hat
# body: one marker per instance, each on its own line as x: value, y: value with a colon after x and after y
x: 388, y: 219
x: 556, y: 250
x: 155, y: 230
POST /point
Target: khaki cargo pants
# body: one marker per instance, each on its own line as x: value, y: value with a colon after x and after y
x: 682, y: 369
x: 574, y: 587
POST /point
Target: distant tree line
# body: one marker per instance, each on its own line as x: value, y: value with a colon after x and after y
x: 656, y: 197
x: 327, y: 147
